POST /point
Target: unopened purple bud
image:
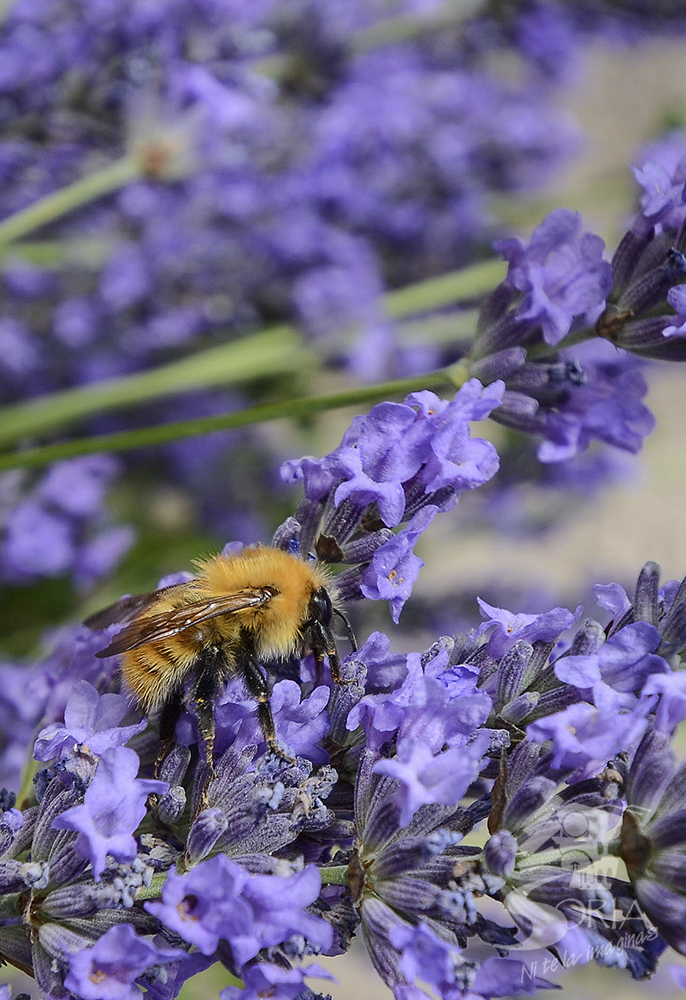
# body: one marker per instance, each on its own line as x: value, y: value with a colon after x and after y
x: 521, y: 707
x: 528, y: 798
x: 362, y: 549
x: 66, y: 864
x: 588, y: 640
x: 287, y: 535
x: 79, y: 900
x: 175, y: 765
x: 651, y: 287
x: 507, y: 332
x: 308, y: 515
x: 205, y: 832
x: 500, y: 853
x: 674, y: 625
x: 408, y: 895
x: 57, y: 800
x: 512, y: 671
x: 646, y: 594
x: 554, y: 701
x: 518, y: 411
x: 7, y: 800
x: 15, y: 945
x: 171, y: 805
x: 498, y: 366
x: 348, y: 584
x: 60, y: 942
x: 629, y: 252
x: 647, y: 339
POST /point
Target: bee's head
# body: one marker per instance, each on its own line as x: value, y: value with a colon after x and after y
x: 321, y: 612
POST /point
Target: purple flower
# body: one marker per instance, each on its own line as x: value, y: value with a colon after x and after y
x: 663, y: 187
x: 677, y: 299
x: 584, y: 733
x: 424, y: 955
x: 219, y: 900
x: 301, y: 723
x: 561, y: 273
x: 670, y: 689
x: 89, y: 718
x: 504, y: 977
x: 394, y: 567
x: 424, y: 778
x: 652, y: 837
x: 78, y: 486
x: 109, y: 969
x: 262, y: 979
x: 455, y: 459
x: 377, y: 455
x: 113, y: 806
x: 624, y: 662
x: 36, y: 543
x: 607, y: 406
x: 205, y: 904
x: 511, y: 627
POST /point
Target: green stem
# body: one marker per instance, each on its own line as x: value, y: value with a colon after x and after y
x: 336, y: 875
x: 11, y: 905
x: 154, y: 890
x: 271, y: 352
x: 278, y: 350
x: 28, y: 774
x: 54, y: 206
x: 553, y: 856
x: 447, y: 289
x: 444, y: 379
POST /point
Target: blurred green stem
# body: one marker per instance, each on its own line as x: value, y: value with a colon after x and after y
x: 271, y: 352
x: 443, y: 379
x: 277, y: 351
x: 54, y: 206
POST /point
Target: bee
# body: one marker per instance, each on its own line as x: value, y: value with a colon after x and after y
x: 183, y: 642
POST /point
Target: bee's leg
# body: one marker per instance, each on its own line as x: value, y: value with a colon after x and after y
x: 169, y: 716
x: 323, y: 644
x: 259, y: 689
x: 201, y: 700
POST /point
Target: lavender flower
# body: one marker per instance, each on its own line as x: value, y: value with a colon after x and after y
x: 88, y: 718
x: 112, y: 808
x: 109, y: 969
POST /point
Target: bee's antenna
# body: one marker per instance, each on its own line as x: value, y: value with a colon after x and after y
x: 348, y: 629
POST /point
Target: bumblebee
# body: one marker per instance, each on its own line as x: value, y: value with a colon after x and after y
x: 181, y: 643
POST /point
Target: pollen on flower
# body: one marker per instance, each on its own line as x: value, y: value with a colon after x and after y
x: 186, y: 907
x: 98, y: 976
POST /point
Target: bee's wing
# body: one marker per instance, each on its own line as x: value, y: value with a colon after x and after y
x: 125, y: 608
x: 155, y: 628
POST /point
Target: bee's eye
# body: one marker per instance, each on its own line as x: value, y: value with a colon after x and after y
x: 321, y: 608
